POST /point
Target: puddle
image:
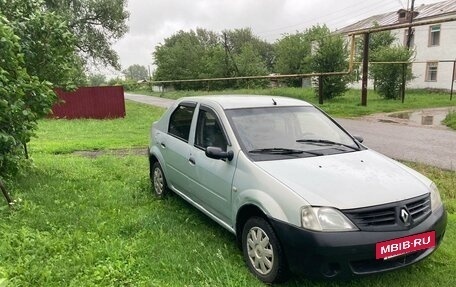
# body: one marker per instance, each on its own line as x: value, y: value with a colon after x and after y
x: 425, y: 118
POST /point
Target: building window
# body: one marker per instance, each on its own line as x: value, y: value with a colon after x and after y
x: 434, y: 35
x: 431, y: 71
x: 412, y: 38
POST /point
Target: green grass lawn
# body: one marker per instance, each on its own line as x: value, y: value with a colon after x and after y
x: 450, y: 120
x: 65, y: 136
x: 346, y: 106
x: 92, y: 221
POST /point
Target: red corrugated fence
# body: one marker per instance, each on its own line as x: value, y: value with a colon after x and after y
x: 90, y: 102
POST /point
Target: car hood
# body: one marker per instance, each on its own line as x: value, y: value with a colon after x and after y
x: 349, y: 180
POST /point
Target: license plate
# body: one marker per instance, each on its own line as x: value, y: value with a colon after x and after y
x: 392, y: 248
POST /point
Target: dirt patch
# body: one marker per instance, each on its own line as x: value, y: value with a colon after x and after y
x: 116, y: 152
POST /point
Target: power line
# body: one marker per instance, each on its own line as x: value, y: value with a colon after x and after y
x: 360, y: 9
x: 305, y: 22
x: 402, y: 4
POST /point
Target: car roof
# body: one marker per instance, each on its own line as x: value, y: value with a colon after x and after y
x: 246, y: 101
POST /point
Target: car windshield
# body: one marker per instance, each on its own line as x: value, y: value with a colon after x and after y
x: 289, y: 132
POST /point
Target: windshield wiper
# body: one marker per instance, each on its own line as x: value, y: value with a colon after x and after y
x: 277, y: 150
x: 327, y: 142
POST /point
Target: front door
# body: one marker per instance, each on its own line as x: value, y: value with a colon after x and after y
x: 213, y: 181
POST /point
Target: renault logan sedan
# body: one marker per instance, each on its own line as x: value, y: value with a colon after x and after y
x: 298, y: 191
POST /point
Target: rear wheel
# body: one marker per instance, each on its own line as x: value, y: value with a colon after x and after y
x: 158, y: 181
x: 262, y: 251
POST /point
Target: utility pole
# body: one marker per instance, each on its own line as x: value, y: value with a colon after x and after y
x: 225, y: 46
x: 452, y: 79
x: 228, y: 52
x: 409, y: 39
x: 365, y: 70
x: 320, y: 90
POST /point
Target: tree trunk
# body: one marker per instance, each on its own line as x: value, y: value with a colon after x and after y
x: 26, y: 151
x: 6, y: 194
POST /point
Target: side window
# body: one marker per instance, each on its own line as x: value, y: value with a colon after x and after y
x: 180, y: 122
x: 434, y: 35
x: 431, y: 71
x: 209, y: 131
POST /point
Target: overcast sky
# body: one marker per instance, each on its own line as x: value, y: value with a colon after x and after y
x: 151, y: 21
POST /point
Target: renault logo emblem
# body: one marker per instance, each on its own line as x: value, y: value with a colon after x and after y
x: 405, y: 216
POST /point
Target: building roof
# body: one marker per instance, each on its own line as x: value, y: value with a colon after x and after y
x: 425, y: 12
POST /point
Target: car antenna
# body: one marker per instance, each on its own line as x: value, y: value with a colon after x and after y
x: 274, y: 102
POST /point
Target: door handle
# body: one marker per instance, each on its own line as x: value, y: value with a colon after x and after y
x: 192, y: 161
x: 162, y: 145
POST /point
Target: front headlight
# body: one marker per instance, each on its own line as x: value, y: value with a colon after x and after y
x: 436, y: 201
x: 325, y: 219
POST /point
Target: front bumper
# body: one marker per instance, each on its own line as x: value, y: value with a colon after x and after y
x: 346, y: 254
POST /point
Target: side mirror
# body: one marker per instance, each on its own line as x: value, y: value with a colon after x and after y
x: 218, y: 153
x: 358, y: 138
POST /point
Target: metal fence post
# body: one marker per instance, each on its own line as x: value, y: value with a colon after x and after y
x: 320, y: 90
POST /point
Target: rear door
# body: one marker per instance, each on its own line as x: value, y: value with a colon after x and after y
x: 175, y: 146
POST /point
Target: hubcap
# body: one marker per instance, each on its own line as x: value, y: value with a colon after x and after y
x: 158, y: 181
x: 260, y: 250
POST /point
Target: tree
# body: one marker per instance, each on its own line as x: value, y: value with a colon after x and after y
x: 249, y: 63
x: 23, y: 100
x: 330, y: 56
x: 293, y: 56
x: 182, y: 57
x: 204, y: 54
x: 214, y: 65
x: 377, y: 41
x: 234, y: 41
x: 47, y: 42
x: 136, y: 73
x: 95, y: 24
x: 96, y: 80
x: 388, y: 77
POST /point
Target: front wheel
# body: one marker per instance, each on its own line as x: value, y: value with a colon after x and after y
x: 262, y: 251
x: 158, y: 181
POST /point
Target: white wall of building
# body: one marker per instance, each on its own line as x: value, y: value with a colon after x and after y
x: 446, y: 50
x: 425, y: 53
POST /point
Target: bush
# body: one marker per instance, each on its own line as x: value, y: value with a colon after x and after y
x: 388, y: 77
x: 23, y: 100
x: 450, y: 120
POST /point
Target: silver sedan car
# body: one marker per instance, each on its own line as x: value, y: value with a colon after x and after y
x: 298, y: 191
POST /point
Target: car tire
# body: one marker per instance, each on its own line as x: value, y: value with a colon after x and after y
x: 158, y: 181
x: 262, y: 251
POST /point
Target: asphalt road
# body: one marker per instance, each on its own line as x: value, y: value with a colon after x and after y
x: 431, y: 146
x: 154, y: 101
x: 426, y: 145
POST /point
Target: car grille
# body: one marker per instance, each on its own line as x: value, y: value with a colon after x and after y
x: 387, y: 217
